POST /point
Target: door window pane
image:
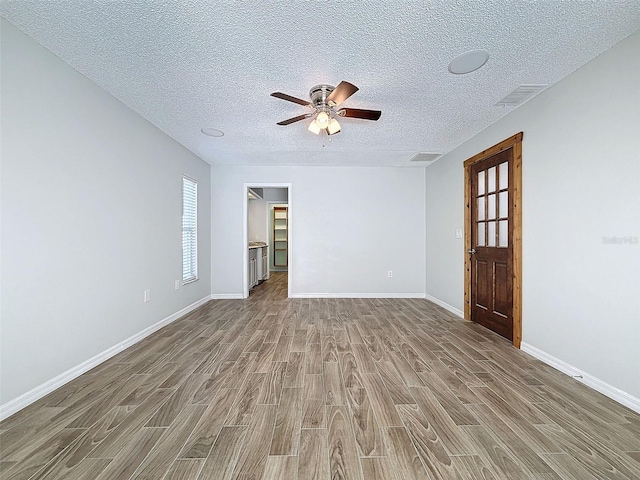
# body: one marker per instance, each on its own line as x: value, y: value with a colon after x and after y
x: 503, y: 233
x: 491, y: 234
x: 480, y: 239
x: 481, y: 183
x: 491, y: 210
x: 504, y: 175
x: 503, y: 204
x: 491, y: 177
x: 481, y: 203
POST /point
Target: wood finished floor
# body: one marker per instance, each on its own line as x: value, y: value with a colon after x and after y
x: 277, y: 388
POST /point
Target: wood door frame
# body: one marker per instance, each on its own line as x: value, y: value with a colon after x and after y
x: 515, y: 143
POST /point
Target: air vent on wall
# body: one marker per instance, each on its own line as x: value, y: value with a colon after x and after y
x: 520, y: 95
x: 425, y: 157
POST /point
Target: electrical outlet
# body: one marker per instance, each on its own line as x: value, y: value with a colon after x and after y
x: 147, y: 295
x: 177, y: 285
x: 390, y: 273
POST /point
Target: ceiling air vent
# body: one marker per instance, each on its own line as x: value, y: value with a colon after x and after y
x: 520, y: 95
x: 425, y: 157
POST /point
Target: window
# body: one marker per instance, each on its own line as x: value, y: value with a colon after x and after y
x: 189, y: 230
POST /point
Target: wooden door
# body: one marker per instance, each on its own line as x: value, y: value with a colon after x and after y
x: 493, y: 242
x: 491, y: 252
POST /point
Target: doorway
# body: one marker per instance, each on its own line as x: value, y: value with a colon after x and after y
x: 493, y: 238
x: 259, y: 199
x: 278, y: 224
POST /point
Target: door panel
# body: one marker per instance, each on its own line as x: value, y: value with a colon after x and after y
x: 482, y: 294
x: 502, y: 305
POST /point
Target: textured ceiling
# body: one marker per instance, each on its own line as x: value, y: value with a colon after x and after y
x: 185, y: 65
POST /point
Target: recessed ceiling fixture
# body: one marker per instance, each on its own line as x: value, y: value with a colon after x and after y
x: 324, y: 102
x: 468, y: 62
x: 212, y: 132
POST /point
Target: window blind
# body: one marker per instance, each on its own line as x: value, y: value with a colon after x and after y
x: 189, y: 230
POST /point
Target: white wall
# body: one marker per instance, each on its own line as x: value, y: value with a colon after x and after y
x: 349, y: 227
x: 581, y: 183
x: 91, y: 217
x: 275, y: 194
x: 257, y: 221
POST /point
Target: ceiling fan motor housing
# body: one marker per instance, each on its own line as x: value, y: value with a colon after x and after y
x: 319, y: 95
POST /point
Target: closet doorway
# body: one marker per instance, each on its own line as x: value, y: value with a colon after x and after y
x: 278, y: 218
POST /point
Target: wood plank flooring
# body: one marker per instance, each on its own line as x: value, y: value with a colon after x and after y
x: 327, y: 389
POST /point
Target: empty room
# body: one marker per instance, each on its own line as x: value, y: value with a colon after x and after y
x: 320, y: 240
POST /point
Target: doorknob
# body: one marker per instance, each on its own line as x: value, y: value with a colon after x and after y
x: 472, y: 251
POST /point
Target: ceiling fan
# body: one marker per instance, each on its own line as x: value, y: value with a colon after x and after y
x: 325, y: 100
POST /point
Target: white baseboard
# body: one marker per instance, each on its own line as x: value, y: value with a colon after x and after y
x: 610, y: 391
x: 49, y: 386
x: 444, y: 305
x: 357, y: 295
x: 226, y: 296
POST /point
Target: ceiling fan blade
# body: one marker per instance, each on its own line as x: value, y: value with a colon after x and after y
x: 342, y: 92
x: 289, y: 98
x: 294, y: 119
x: 358, y: 113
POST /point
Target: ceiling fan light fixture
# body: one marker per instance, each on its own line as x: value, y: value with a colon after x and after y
x: 314, y: 127
x: 322, y: 119
x: 333, y: 127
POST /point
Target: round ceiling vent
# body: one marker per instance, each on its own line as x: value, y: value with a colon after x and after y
x: 212, y: 132
x: 468, y: 62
